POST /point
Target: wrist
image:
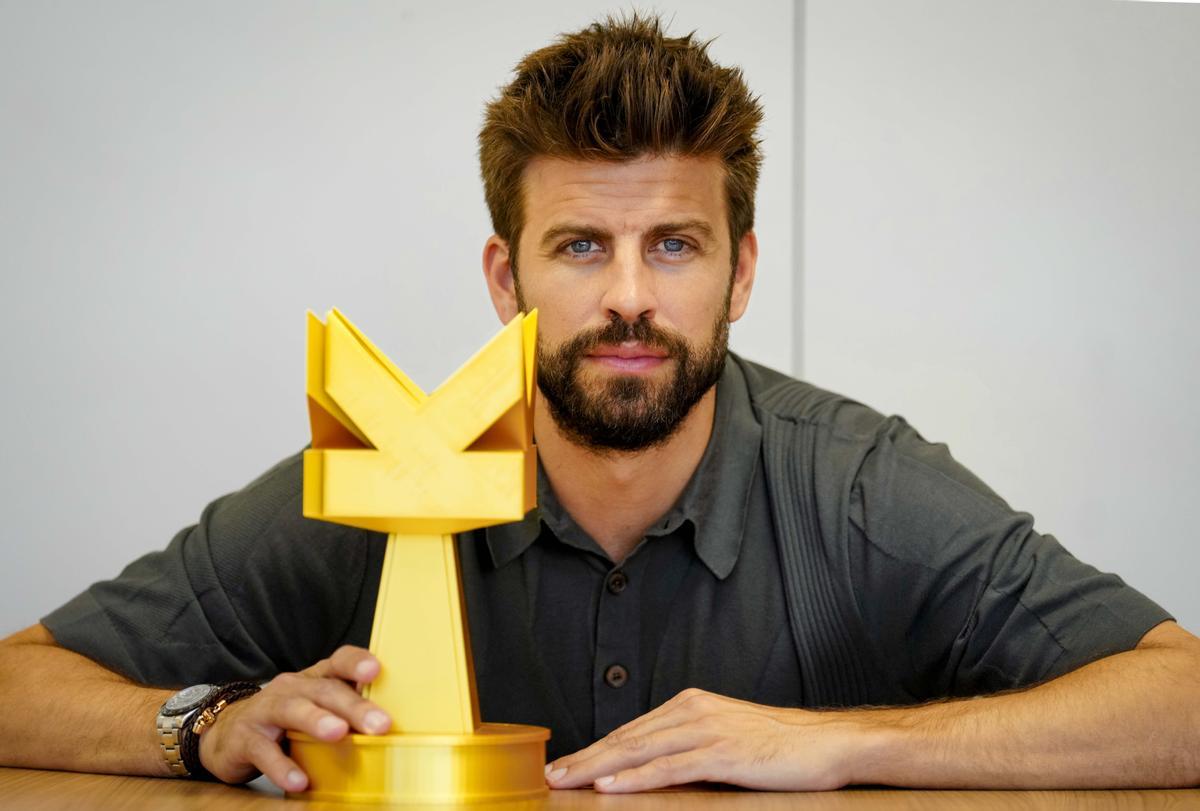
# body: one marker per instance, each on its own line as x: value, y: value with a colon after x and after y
x: 205, y: 718
x: 185, y: 715
x: 877, y: 740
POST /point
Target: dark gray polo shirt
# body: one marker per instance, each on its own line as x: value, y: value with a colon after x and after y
x: 564, y: 638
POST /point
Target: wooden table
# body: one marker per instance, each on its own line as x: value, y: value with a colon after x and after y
x: 46, y: 791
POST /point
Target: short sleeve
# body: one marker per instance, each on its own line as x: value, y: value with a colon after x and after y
x: 959, y: 592
x: 251, y: 590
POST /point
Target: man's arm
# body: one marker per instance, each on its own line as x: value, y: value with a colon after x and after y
x: 64, y: 711
x: 1128, y: 720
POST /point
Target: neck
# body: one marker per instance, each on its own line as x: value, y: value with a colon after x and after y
x: 616, y: 496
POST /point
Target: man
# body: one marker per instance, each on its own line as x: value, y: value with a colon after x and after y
x: 730, y: 572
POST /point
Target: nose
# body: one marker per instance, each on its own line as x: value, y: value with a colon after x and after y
x: 630, y: 288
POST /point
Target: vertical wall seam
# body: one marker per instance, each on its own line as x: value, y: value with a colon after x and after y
x: 799, y: 49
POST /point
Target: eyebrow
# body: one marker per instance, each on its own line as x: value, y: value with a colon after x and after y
x: 700, y: 227
x: 684, y: 226
x: 573, y: 230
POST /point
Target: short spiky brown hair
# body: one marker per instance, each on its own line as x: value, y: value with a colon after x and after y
x: 618, y: 90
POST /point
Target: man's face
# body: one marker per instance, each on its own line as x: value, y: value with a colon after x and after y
x: 629, y: 265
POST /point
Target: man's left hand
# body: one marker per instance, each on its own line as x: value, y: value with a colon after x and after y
x: 700, y: 736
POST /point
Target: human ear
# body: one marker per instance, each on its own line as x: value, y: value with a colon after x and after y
x: 743, y: 276
x: 497, y: 271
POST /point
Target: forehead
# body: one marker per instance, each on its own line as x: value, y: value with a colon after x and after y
x: 625, y: 195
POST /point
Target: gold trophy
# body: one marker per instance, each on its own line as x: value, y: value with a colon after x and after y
x: 387, y: 456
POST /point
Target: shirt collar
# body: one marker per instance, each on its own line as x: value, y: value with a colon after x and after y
x: 714, y: 501
x: 507, y: 541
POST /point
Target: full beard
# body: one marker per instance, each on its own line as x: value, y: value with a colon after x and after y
x: 628, y: 412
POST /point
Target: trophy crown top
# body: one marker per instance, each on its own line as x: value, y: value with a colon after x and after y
x: 387, y: 455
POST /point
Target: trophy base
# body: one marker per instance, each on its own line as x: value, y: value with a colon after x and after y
x: 499, y: 763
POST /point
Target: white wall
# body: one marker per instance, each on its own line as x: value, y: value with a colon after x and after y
x: 180, y: 182
x: 998, y: 198
x: 1001, y: 204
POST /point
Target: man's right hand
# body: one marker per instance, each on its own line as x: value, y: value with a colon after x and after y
x: 320, y: 701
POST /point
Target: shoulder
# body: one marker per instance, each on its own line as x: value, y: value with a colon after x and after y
x: 271, y: 497
x: 292, y: 584
x: 844, y: 444
x: 776, y: 396
x: 261, y: 531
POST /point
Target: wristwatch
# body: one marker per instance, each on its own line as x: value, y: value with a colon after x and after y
x: 186, y: 714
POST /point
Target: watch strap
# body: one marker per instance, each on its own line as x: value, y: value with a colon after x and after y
x: 192, y: 726
x: 169, y: 729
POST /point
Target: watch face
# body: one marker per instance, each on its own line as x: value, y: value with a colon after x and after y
x: 187, y: 699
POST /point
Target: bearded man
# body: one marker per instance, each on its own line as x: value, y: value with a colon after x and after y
x: 731, y: 576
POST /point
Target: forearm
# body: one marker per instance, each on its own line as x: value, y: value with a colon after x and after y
x: 64, y: 711
x: 1128, y: 720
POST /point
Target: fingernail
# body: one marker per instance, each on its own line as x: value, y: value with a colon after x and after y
x: 295, y: 778
x: 557, y: 774
x: 364, y: 668
x: 549, y: 766
x: 328, y: 725
x: 601, y: 782
x: 376, y: 721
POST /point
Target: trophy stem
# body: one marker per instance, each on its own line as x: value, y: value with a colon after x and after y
x: 421, y: 638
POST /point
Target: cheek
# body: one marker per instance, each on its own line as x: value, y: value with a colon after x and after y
x: 561, y: 312
x: 555, y: 325
x: 692, y: 309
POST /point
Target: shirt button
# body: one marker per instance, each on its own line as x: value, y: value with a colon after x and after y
x: 617, y: 581
x: 616, y: 676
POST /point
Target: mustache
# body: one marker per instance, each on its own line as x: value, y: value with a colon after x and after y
x: 618, y: 331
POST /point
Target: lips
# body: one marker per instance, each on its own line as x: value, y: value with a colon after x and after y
x: 633, y: 358
x: 629, y: 352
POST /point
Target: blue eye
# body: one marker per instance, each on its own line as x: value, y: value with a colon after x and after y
x: 673, y: 245
x: 581, y: 246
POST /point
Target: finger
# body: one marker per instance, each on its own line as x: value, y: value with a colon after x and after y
x: 354, y: 664
x: 280, y: 769
x: 660, y: 717
x: 668, y: 770
x: 630, y: 751
x: 343, y: 700
x: 349, y: 662
x: 325, y: 709
x: 684, y: 706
